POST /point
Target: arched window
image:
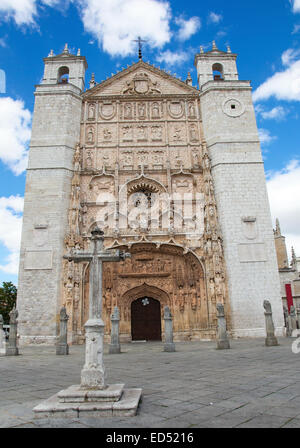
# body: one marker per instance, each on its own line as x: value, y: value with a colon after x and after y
x: 218, y: 72
x: 63, y: 75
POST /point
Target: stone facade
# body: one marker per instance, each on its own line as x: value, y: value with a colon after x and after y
x: 289, y: 273
x: 173, y: 175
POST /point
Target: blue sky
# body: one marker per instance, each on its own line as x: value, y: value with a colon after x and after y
x: 265, y: 34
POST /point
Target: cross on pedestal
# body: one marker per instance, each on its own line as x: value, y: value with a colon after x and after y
x: 93, y: 372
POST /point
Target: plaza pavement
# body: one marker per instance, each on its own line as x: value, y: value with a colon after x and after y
x: 248, y: 386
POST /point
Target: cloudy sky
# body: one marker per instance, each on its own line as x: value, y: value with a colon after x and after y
x: 266, y: 40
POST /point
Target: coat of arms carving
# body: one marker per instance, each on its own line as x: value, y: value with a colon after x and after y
x: 141, y: 84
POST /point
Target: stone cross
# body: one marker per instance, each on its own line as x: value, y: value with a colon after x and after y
x: 12, y: 349
x: 93, y: 372
x: 222, y: 336
x: 293, y: 322
x: 169, y: 344
x: 114, y: 346
x: 2, y: 337
x: 271, y: 339
x: 62, y: 347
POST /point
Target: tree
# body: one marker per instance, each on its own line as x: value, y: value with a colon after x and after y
x: 8, y: 298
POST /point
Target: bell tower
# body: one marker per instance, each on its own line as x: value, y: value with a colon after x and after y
x: 230, y: 130
x: 55, y: 132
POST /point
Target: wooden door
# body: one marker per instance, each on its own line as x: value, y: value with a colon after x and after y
x: 145, y: 319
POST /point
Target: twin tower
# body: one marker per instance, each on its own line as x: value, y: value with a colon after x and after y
x: 224, y: 125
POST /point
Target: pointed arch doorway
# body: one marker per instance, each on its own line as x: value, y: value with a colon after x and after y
x: 145, y: 319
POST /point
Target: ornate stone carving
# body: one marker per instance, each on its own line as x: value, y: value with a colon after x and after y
x: 141, y: 84
x: 107, y: 110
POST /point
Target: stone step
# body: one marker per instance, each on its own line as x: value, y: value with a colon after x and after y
x: 76, y: 394
x: 126, y: 406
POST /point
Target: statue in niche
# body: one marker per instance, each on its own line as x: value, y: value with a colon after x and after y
x: 90, y: 136
x: 91, y: 114
x: 155, y: 110
x: 89, y: 159
x: 128, y: 110
x: 142, y: 110
x: 77, y: 158
x: 193, y: 133
x: 192, y: 111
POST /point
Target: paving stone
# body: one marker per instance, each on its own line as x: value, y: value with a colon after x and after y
x: 235, y: 384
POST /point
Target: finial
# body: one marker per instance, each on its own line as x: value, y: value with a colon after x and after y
x: 51, y: 54
x: 66, y: 50
x: 201, y: 49
x: 228, y: 49
x: 78, y: 52
x: 277, y: 230
x: 189, y: 80
x: 214, y: 47
x: 92, y: 81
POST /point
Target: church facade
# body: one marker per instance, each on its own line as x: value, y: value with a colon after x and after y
x: 172, y: 174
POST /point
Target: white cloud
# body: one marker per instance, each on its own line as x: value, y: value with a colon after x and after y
x: 116, y: 23
x: 22, y: 11
x: 3, y: 43
x: 15, y: 131
x: 265, y: 137
x: 277, y: 113
x: 214, y: 18
x: 10, y: 231
x: 296, y: 5
x: 289, y: 56
x: 283, y: 85
x: 173, y: 58
x: 284, y: 193
x: 187, y: 27
x: 296, y: 29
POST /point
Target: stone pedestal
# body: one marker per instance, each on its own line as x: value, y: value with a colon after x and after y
x: 222, y: 337
x: 2, y: 338
x: 169, y: 344
x: 114, y: 346
x: 270, y: 340
x: 293, y: 319
x: 93, y: 372
x: 62, y: 347
x: 12, y: 349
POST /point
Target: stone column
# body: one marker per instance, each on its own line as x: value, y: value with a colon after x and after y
x: 114, y: 346
x: 62, y: 347
x: 2, y: 338
x: 293, y: 322
x: 169, y: 344
x: 12, y: 349
x: 271, y: 340
x: 222, y: 337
